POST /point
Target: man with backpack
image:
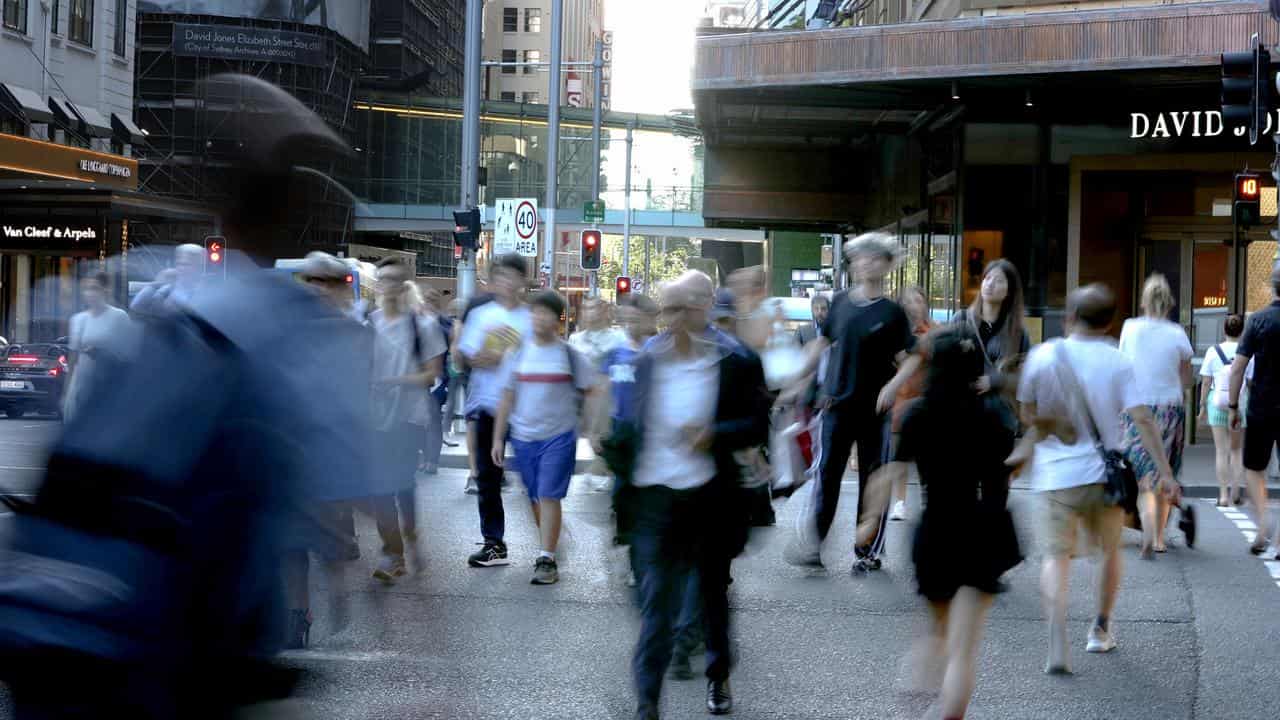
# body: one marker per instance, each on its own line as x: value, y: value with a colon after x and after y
x: 544, y: 384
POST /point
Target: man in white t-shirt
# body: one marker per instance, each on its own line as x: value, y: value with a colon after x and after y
x: 544, y: 385
x: 1084, y: 373
x: 490, y: 332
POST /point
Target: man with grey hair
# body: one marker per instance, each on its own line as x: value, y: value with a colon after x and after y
x: 700, y: 397
x: 869, y: 335
x: 188, y: 267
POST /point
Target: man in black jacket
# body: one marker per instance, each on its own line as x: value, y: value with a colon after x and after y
x: 700, y: 397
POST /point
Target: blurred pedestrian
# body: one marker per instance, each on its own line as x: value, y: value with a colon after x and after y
x: 490, y: 332
x: 1215, y: 392
x: 101, y: 339
x: 701, y: 398
x: 427, y: 305
x: 819, y: 305
x: 407, y: 354
x: 869, y: 337
x: 1086, y: 380
x: 176, y: 288
x: 597, y: 337
x: 916, y: 306
x: 544, y: 384
x: 459, y: 359
x: 959, y: 443
x: 1161, y: 354
x: 1260, y: 349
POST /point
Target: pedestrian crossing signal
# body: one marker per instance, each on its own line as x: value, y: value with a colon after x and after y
x: 1248, y: 199
x: 215, y: 250
x: 622, y: 287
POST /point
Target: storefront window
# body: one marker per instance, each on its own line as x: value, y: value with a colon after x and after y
x: 15, y: 15
x: 1210, y: 276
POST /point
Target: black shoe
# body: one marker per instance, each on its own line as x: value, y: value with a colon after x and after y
x: 646, y: 713
x: 861, y: 566
x: 873, y: 563
x: 1187, y: 524
x: 680, y: 668
x: 299, y: 630
x: 491, y: 555
x: 719, y: 699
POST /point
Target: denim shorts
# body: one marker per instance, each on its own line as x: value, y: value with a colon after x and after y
x: 546, y: 465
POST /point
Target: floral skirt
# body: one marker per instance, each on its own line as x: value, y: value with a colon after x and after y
x: 1171, y: 421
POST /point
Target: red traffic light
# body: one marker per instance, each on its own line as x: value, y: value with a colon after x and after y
x: 1248, y: 187
x: 622, y: 286
x: 589, y: 257
x: 215, y: 252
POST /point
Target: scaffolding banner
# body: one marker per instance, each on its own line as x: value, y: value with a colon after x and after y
x: 349, y: 18
x: 259, y: 44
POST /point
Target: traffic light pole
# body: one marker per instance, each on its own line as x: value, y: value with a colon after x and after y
x: 597, y: 111
x: 626, y: 209
x: 553, y: 141
x: 470, y: 190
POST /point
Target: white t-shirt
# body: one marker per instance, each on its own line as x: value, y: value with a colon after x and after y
x: 111, y: 333
x: 1107, y: 379
x: 682, y: 393
x: 1213, y: 367
x: 1157, y: 348
x: 492, y: 326
x: 548, y: 389
x: 393, y: 351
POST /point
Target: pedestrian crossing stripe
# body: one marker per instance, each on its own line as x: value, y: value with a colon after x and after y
x: 1249, y: 529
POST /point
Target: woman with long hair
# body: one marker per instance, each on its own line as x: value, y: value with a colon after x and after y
x: 1228, y: 444
x: 958, y: 442
x: 1161, y: 355
x: 996, y: 317
x: 916, y: 305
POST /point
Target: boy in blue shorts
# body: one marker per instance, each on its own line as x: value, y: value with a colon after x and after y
x: 544, y: 383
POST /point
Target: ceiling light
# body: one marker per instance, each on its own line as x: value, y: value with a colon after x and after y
x: 955, y: 90
x: 1029, y: 103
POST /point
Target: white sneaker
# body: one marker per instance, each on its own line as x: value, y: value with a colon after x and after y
x: 899, y: 511
x: 1100, y: 641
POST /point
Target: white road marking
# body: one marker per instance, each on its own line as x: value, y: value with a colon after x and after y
x: 339, y: 656
x: 1249, y: 529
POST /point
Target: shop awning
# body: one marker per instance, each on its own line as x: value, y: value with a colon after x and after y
x: 65, y: 115
x: 24, y: 103
x: 126, y: 131
x: 95, y: 123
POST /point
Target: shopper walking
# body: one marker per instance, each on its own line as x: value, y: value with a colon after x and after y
x: 869, y: 335
x: 916, y: 306
x: 1161, y: 356
x: 1260, y: 345
x: 101, y: 340
x: 700, y: 398
x: 407, y: 354
x: 1215, y: 397
x: 963, y: 500
x: 1091, y: 384
x: 489, y: 333
x: 544, y: 385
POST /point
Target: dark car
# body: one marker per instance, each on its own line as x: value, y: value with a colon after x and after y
x: 32, y: 378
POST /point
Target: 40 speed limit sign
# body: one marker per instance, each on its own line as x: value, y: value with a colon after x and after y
x: 515, y: 227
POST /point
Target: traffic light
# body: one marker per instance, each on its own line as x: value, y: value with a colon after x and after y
x: 466, y: 228
x: 1246, y: 89
x: 590, y: 257
x: 622, y: 287
x: 215, y: 251
x: 1247, y: 204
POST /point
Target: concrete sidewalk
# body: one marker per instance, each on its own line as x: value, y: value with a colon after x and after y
x: 1198, y: 475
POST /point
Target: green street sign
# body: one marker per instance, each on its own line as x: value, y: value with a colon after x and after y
x: 593, y: 211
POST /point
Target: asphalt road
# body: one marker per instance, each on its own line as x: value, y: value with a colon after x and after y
x: 1197, y: 630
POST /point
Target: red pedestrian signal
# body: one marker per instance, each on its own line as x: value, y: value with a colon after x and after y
x: 1249, y: 189
x: 590, y: 255
x: 622, y: 287
x: 215, y: 250
x: 1247, y: 205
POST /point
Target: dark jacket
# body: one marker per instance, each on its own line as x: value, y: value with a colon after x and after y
x: 741, y: 421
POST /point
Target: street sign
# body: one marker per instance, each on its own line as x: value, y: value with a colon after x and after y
x: 515, y: 227
x: 593, y: 211
x: 526, y: 222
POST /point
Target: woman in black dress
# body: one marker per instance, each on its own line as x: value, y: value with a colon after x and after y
x: 959, y: 443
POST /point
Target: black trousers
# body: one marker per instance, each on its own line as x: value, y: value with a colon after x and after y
x: 841, y: 429
x: 673, y: 538
x: 488, y: 481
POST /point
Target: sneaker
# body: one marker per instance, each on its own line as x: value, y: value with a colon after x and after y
x: 719, y: 698
x: 646, y: 713
x: 1187, y: 524
x: 1100, y: 641
x: 899, y: 512
x: 861, y: 566
x: 631, y: 579
x: 873, y: 563
x: 430, y: 469
x: 389, y: 569
x: 471, y: 488
x: 544, y: 571
x: 801, y: 556
x: 681, y: 668
x: 491, y: 555
x: 1059, y: 662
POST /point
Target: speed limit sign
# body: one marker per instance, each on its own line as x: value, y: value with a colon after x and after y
x: 526, y: 224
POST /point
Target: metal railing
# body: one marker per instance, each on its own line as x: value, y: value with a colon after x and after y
x: 571, y: 196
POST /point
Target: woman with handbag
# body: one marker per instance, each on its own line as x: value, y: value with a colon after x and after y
x: 1161, y: 355
x: 967, y: 500
x: 995, y: 317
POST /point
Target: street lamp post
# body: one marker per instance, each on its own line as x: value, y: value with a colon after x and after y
x: 470, y: 191
x: 553, y: 140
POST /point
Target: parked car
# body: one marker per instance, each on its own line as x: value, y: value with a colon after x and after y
x: 33, y: 377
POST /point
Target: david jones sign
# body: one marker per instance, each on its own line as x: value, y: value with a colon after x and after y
x: 1190, y: 123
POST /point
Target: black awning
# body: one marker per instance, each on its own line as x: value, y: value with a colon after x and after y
x: 126, y: 131
x: 24, y: 103
x: 65, y: 115
x: 95, y: 123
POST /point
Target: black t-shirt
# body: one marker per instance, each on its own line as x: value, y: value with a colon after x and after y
x: 866, y: 338
x: 1261, y: 341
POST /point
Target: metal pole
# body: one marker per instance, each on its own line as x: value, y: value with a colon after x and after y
x: 553, y: 140
x: 470, y: 190
x: 626, y: 210
x: 597, y: 63
x: 646, y: 265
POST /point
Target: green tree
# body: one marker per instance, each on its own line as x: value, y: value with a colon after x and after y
x: 662, y: 266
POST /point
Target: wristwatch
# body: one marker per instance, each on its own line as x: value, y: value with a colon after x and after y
x: 1233, y: 406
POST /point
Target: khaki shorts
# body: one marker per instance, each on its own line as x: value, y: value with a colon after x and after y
x: 1068, y: 509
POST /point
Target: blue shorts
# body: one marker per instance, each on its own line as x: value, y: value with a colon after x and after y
x: 546, y: 465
